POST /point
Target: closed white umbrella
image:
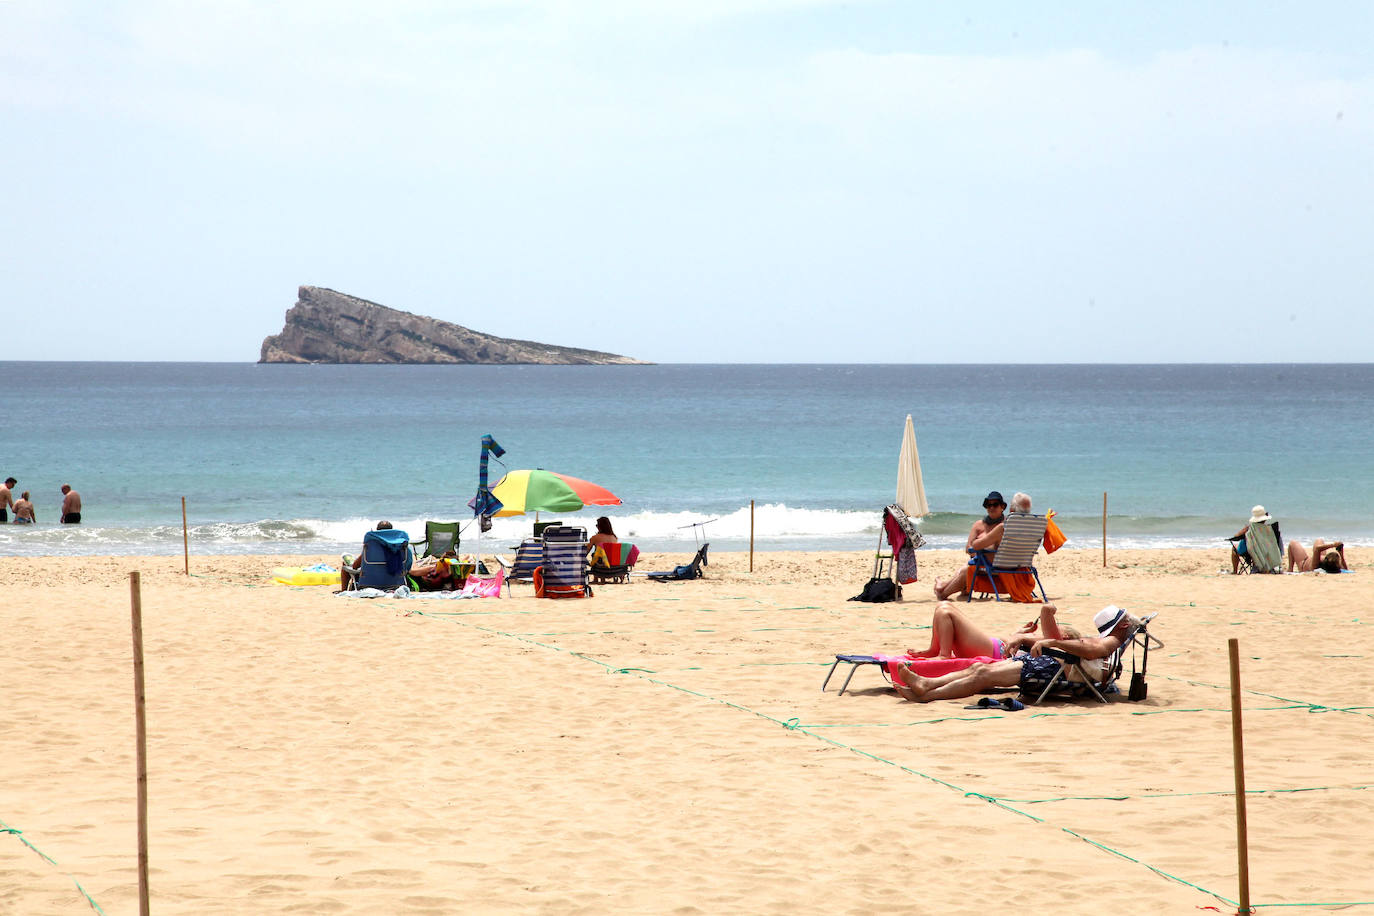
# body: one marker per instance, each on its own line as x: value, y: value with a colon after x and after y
x: 911, y: 492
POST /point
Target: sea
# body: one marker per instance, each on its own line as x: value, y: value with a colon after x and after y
x: 303, y: 459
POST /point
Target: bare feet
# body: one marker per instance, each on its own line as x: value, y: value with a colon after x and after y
x: 939, y: 587
x: 916, y: 684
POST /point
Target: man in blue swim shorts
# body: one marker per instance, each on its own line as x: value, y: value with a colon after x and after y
x: 6, y: 498
x: 1029, y: 672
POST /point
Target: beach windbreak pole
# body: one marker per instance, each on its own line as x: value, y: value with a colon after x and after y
x: 140, y: 740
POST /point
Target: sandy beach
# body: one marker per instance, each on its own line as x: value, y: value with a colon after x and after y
x: 666, y: 748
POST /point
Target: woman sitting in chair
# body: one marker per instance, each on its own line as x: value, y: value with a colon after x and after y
x: 1240, y: 548
x: 1031, y: 671
x: 605, y: 534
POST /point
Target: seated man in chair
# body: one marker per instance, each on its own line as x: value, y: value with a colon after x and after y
x: 1032, y: 671
x: 351, y: 570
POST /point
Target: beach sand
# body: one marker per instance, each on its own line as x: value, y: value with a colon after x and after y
x: 666, y: 748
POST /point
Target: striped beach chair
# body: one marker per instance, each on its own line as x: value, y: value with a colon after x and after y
x: 612, y: 562
x: 1021, y: 538
x: 564, y: 570
x: 528, y: 557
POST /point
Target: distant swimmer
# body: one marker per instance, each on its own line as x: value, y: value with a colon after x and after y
x: 6, y: 498
x: 23, y: 510
x: 71, y: 506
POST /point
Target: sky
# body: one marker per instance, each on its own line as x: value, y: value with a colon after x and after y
x: 696, y: 181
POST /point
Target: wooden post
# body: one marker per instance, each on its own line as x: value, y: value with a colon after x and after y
x: 1238, y: 752
x: 1104, y: 529
x: 185, y: 539
x: 141, y: 743
x: 751, y: 535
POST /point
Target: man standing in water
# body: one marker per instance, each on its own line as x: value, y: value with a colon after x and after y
x: 71, y: 506
x: 6, y: 498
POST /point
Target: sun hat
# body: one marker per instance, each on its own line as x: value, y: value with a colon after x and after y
x: 1258, y: 515
x: 994, y: 497
x: 1106, y: 619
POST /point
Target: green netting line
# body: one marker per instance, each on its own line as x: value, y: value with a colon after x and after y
x: 1296, y: 704
x: 795, y: 725
x: 1038, y: 713
x: 1229, y: 794
x: 6, y: 828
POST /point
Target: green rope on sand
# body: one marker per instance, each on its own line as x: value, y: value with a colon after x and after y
x: 1224, y: 792
x: 794, y: 724
x: 6, y: 828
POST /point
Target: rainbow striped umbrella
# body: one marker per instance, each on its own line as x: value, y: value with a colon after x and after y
x: 547, y: 491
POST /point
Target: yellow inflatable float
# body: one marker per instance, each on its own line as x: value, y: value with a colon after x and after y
x: 319, y: 574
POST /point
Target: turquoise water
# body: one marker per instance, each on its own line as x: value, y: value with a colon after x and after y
x: 305, y: 458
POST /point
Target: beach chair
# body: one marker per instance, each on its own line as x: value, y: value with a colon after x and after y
x: 612, y: 562
x: 540, y: 527
x: 563, y: 574
x: 930, y: 667
x: 1021, y: 537
x: 855, y: 662
x: 679, y: 573
x: 1078, y: 678
x: 386, y: 561
x: 528, y: 556
x: 900, y: 532
x: 440, y: 538
x: 1260, y: 549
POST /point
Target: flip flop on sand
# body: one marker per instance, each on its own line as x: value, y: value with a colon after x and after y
x: 1010, y: 704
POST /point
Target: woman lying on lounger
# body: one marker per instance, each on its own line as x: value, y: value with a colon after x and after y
x: 953, y: 635
x: 1031, y: 671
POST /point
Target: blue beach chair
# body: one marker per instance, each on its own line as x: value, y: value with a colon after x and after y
x: 386, y: 561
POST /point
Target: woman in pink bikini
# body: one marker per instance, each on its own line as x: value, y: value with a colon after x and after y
x: 953, y: 635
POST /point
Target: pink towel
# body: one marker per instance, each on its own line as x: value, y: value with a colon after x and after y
x: 929, y: 667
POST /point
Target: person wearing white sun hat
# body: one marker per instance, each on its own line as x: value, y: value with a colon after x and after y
x: 1030, y: 671
x: 1252, y: 543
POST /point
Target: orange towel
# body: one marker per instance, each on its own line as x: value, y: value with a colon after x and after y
x: 1019, y: 586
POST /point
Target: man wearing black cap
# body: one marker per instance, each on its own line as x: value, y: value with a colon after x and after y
x: 995, y: 506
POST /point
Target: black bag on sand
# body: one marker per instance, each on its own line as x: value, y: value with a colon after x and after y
x: 1139, y: 689
x: 878, y: 591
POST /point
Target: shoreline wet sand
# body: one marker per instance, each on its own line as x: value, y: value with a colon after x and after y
x: 667, y: 747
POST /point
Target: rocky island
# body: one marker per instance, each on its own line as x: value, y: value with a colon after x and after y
x: 325, y: 326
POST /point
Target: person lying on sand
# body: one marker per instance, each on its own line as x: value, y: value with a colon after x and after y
x: 1331, y: 553
x: 1032, y: 671
x: 954, y: 635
